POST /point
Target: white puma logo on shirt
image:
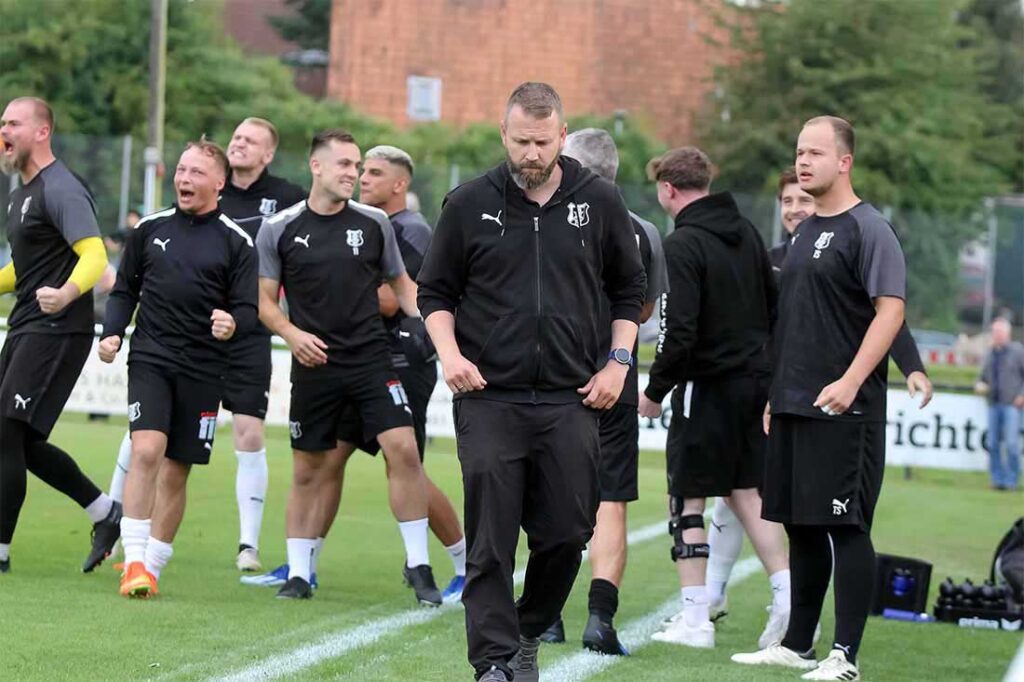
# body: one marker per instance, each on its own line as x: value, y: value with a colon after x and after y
x: 303, y: 240
x: 839, y: 508
x: 21, y: 403
x: 495, y: 218
x: 162, y: 244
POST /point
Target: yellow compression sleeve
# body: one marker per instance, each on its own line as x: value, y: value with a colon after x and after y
x: 7, y: 278
x: 92, y: 261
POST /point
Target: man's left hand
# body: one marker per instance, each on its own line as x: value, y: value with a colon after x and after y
x: 1018, y: 402
x: 836, y: 398
x: 648, y: 408
x: 603, y: 389
x: 52, y: 300
x: 919, y: 382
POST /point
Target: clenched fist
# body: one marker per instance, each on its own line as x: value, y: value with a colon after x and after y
x: 52, y: 300
x: 108, y: 348
x: 223, y: 326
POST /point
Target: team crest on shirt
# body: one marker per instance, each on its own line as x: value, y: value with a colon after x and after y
x: 579, y: 214
x: 355, y: 240
x: 268, y: 207
x: 822, y: 243
x: 24, y: 207
x: 134, y: 411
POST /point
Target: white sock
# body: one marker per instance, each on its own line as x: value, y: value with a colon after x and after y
x: 300, y: 557
x: 780, y: 590
x: 414, y: 535
x: 251, y: 491
x: 726, y: 540
x: 124, y: 458
x: 458, y: 554
x: 99, y: 508
x: 158, y: 553
x: 5, y: 551
x: 315, y: 562
x: 134, y: 534
x: 695, y: 605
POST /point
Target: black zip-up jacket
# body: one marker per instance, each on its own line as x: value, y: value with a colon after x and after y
x: 717, y: 317
x: 526, y: 283
x: 178, y: 268
x: 265, y: 197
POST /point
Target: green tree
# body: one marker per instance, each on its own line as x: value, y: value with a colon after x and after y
x: 909, y: 77
x: 308, y: 25
x: 999, y: 27
x: 89, y: 59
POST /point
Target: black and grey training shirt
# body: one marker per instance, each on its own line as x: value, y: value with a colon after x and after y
x: 835, y: 267
x: 330, y: 267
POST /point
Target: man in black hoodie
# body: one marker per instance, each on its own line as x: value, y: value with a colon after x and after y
x: 716, y: 323
x: 512, y: 289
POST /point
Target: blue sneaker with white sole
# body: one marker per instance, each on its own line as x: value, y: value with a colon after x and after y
x: 453, y: 593
x: 275, y: 578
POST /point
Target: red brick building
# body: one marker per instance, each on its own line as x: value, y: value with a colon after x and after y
x: 248, y: 22
x: 649, y: 58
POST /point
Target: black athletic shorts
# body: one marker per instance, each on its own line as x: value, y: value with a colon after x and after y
x: 722, y: 446
x: 418, y: 382
x: 247, y: 379
x: 620, y: 453
x: 38, y: 373
x: 823, y: 472
x: 165, y: 400
x: 318, y: 416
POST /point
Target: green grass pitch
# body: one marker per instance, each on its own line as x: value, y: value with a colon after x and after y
x: 56, y: 623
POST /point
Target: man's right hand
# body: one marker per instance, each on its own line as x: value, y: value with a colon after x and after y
x: 461, y: 375
x: 108, y: 348
x: 307, y: 348
x: 981, y: 388
x: 766, y: 418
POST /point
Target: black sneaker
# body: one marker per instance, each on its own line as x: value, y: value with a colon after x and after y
x: 601, y: 637
x: 524, y: 663
x: 5, y: 566
x: 554, y: 634
x: 295, y: 588
x: 104, y: 535
x: 421, y: 580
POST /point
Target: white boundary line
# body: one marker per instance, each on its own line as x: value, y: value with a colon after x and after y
x: 1016, y: 670
x: 341, y: 643
x: 635, y: 635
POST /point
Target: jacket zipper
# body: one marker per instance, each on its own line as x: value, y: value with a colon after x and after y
x: 536, y: 237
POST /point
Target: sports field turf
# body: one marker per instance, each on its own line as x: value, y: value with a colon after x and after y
x: 56, y: 623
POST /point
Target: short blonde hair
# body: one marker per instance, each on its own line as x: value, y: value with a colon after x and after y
x: 267, y: 125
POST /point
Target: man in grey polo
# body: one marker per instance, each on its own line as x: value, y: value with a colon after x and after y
x: 1002, y: 383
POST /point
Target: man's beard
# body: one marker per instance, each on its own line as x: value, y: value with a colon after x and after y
x: 533, y: 180
x: 13, y: 163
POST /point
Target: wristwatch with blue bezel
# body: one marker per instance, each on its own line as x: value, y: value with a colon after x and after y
x: 621, y: 356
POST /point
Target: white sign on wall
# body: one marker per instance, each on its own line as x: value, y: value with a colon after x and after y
x: 424, y: 98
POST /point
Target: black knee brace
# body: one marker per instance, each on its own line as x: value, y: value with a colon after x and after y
x: 677, y: 524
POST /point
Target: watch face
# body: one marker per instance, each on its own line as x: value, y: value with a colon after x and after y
x: 622, y: 356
